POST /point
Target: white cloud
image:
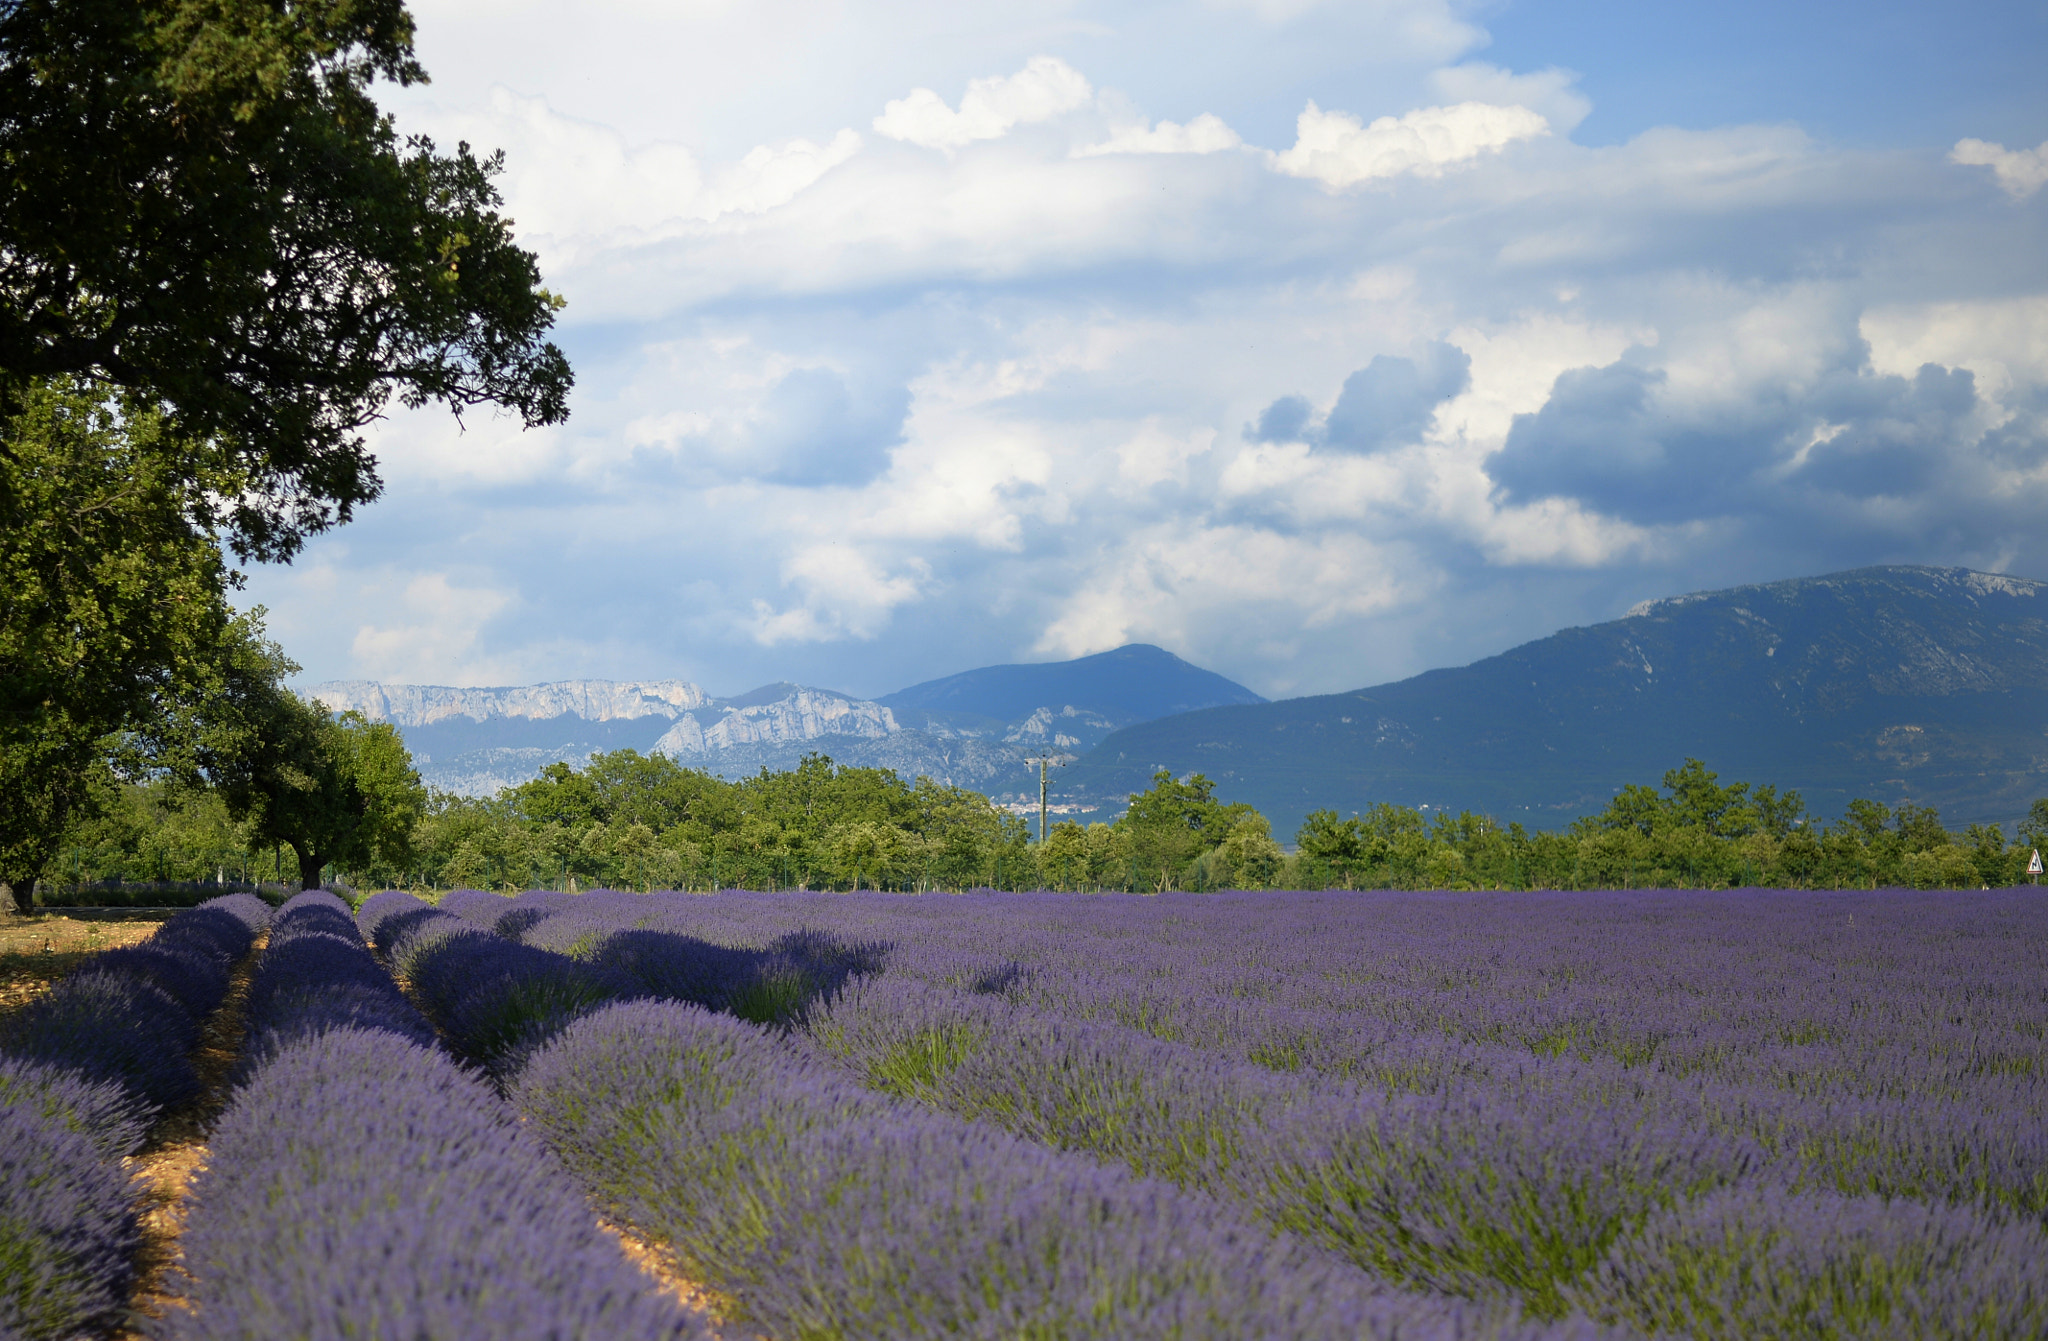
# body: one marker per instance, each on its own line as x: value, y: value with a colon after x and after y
x: 1042, y: 90
x: 2003, y: 340
x: 570, y: 179
x: 845, y: 594
x: 1336, y: 149
x: 1562, y: 532
x: 773, y: 175
x: 1155, y: 456
x: 858, y: 414
x: 1182, y: 585
x: 1551, y: 92
x: 1206, y: 134
x: 438, y: 643
x: 2020, y: 171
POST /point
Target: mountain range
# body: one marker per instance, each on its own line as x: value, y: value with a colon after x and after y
x: 1927, y: 685
x: 1898, y: 684
x: 974, y: 729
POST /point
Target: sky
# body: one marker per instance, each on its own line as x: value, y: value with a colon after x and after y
x: 1320, y: 343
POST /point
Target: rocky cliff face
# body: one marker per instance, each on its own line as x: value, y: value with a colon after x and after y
x: 414, y: 705
x: 805, y: 715
x: 476, y: 741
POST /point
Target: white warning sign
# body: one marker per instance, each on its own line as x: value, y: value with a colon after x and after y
x: 2034, y: 863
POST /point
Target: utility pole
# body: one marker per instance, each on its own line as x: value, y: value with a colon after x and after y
x: 1057, y: 761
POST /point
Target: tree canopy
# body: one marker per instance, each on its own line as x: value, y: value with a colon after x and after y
x: 218, y: 263
x: 204, y: 206
x: 110, y: 596
x: 339, y: 791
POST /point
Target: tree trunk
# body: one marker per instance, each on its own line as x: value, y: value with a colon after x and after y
x: 311, y: 863
x: 10, y: 905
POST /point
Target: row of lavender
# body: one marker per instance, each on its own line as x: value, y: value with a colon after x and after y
x: 1646, y: 1189
x: 85, y: 1071
x: 363, y: 1182
x: 819, y: 1208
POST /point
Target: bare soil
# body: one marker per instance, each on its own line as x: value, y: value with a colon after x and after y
x: 660, y: 1265
x: 40, y: 948
x: 175, y: 1153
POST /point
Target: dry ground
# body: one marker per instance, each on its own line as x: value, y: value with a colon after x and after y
x: 40, y: 948
x: 176, y: 1149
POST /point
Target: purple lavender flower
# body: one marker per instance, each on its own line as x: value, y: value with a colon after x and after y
x: 67, y: 1229
x: 360, y: 1184
x: 105, y: 1112
x: 317, y: 976
x: 1761, y: 1261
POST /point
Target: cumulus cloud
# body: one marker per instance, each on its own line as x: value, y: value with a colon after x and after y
x: 2020, y: 171
x: 570, y: 182
x: 1045, y: 88
x: 1339, y: 151
x: 845, y: 594
x: 1553, y: 93
x: 1206, y: 134
x: 806, y: 426
x: 1167, y: 582
x: 438, y: 642
x: 856, y: 414
x: 1387, y: 403
x: 1884, y: 453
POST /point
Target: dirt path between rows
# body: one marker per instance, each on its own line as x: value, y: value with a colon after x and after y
x: 176, y: 1151
x: 660, y: 1265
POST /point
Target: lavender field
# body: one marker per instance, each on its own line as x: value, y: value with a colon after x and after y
x: 1735, y: 1114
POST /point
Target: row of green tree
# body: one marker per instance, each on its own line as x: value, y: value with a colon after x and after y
x: 631, y: 821
x: 644, y: 822
x: 1698, y: 832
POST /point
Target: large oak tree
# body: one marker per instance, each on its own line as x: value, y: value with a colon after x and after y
x: 219, y: 262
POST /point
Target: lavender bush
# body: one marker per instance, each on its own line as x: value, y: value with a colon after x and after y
x: 106, y: 1113
x: 826, y: 1210
x: 362, y: 1185
x: 67, y: 1229
x: 130, y: 1016
x: 316, y: 975
x: 1163, y: 1109
x: 1480, y: 1095
x: 84, y: 1071
x: 490, y: 995
x: 1470, y: 1194
x: 475, y: 905
x: 1763, y: 1262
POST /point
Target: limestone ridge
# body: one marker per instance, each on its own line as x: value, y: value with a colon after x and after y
x: 803, y: 715
x: 975, y: 729
x: 415, y: 705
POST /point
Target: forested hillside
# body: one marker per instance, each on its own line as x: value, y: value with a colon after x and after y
x: 1909, y: 686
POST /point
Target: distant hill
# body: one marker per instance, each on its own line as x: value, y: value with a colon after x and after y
x: 974, y: 729
x: 1901, y: 683
x: 1135, y: 683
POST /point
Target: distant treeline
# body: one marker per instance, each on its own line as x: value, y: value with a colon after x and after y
x: 1695, y: 833
x: 630, y: 821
